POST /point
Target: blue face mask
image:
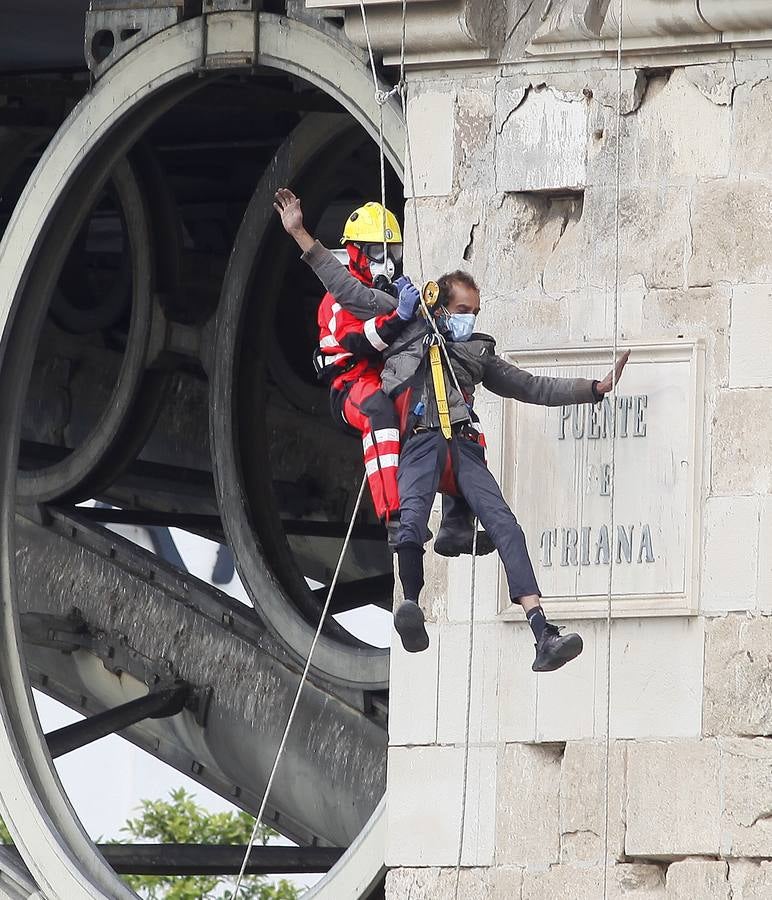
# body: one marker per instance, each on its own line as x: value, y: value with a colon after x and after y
x: 460, y: 326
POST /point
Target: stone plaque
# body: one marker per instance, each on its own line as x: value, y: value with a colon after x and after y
x: 557, y: 476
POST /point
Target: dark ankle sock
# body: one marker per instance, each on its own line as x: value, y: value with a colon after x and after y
x: 411, y: 570
x: 537, y: 620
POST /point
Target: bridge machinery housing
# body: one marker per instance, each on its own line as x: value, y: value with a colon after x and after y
x: 157, y: 330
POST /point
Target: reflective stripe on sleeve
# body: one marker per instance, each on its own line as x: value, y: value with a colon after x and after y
x: 372, y: 335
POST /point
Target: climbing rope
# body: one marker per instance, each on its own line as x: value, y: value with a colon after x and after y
x: 467, y: 719
x: 612, y: 497
x: 382, y: 97
x: 303, y: 679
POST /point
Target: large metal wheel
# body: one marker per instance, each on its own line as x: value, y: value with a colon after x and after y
x: 74, y: 169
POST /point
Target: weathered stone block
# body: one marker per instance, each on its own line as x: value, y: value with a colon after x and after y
x: 752, y: 118
x: 430, y: 118
x: 738, y: 676
x: 694, y: 313
x: 565, y: 700
x: 526, y: 231
x: 654, y: 230
x: 421, y: 884
x: 563, y: 883
x: 675, y: 133
x: 527, y: 810
x: 765, y: 555
x: 750, y: 880
x: 698, y: 878
x: 747, y: 789
x: 412, y: 712
x: 751, y: 336
x: 582, y: 801
x: 637, y: 880
x: 424, y: 789
x: 454, y: 653
x: 440, y: 884
x: 652, y: 659
x: 475, y: 135
x: 442, y: 249
x: 742, y: 443
x: 731, y: 549
x: 722, y: 210
x: 527, y: 121
x: 673, y: 799
x: 517, y: 684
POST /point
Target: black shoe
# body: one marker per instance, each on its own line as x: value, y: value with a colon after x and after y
x: 409, y: 622
x: 554, y: 649
x: 455, y: 541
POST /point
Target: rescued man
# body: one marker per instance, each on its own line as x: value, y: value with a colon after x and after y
x: 362, y: 314
x: 428, y: 457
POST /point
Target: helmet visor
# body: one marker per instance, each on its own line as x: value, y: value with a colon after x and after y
x: 375, y: 252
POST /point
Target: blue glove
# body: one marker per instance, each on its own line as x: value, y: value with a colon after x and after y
x: 401, y: 282
x: 409, y: 298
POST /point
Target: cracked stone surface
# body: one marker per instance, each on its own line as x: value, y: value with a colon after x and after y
x: 750, y: 880
x: 546, y: 116
x: 746, y: 767
x: 693, y: 878
x: 738, y: 676
x: 527, y: 805
x: 673, y: 799
x: 741, y: 443
x: 722, y: 210
x: 582, y: 799
x: 439, y: 884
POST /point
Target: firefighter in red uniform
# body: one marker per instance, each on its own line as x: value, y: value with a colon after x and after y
x: 353, y: 333
x: 350, y: 357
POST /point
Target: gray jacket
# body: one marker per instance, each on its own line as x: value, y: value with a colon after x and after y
x: 474, y: 361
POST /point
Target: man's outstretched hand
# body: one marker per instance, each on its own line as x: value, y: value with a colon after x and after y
x: 603, y: 387
x: 287, y: 205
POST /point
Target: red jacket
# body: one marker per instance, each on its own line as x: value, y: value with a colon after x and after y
x: 352, y: 345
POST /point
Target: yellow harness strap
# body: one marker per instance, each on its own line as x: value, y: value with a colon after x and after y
x: 431, y: 294
x: 440, y: 394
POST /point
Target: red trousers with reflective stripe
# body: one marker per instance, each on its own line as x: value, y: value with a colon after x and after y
x: 367, y: 409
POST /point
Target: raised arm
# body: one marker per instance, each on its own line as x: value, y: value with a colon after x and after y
x: 507, y: 380
x: 355, y: 297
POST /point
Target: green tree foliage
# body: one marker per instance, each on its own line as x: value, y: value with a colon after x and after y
x: 180, y: 820
x: 5, y: 836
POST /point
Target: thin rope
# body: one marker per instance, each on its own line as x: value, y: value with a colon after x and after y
x: 382, y: 97
x: 612, y: 499
x: 303, y: 679
x: 467, y: 721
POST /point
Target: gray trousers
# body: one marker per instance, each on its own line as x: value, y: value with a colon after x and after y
x: 423, y: 458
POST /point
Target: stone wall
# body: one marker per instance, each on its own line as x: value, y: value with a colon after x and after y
x: 515, y: 182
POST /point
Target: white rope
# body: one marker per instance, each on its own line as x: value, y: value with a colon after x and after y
x: 382, y: 98
x: 299, y: 691
x: 465, y: 775
x: 612, y: 499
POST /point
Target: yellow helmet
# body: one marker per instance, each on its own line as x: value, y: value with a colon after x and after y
x: 365, y: 226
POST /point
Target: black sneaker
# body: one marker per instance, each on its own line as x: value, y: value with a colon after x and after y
x: 554, y: 649
x: 409, y: 622
x: 455, y: 541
